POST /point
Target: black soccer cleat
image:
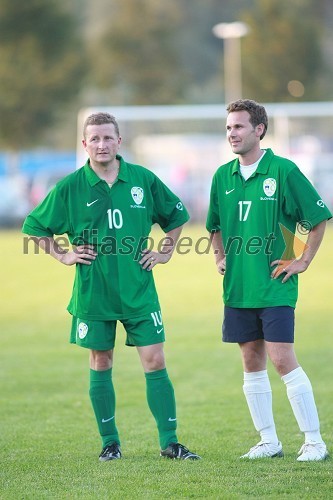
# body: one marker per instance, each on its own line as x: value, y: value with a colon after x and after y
x: 179, y: 451
x: 110, y: 452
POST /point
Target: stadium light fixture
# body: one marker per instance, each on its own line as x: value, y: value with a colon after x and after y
x: 231, y: 33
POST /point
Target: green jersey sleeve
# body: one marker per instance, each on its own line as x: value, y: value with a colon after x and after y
x: 213, y: 216
x: 169, y: 212
x: 50, y: 217
x: 301, y: 200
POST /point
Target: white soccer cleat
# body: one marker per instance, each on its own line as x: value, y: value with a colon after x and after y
x: 312, y: 452
x: 264, y: 450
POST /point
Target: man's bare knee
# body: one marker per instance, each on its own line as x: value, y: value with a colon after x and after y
x: 152, y: 357
x: 254, y: 356
x: 282, y: 356
x: 101, y: 360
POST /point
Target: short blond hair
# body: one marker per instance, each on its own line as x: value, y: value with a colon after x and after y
x: 100, y: 119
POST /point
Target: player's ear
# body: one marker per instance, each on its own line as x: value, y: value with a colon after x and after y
x: 260, y: 129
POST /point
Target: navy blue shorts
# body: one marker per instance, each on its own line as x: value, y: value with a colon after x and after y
x: 274, y: 324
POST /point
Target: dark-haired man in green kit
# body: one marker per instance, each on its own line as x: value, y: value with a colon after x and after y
x: 256, y: 203
x: 107, y: 209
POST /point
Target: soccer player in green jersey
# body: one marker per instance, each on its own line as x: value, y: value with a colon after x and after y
x: 256, y: 203
x: 107, y: 208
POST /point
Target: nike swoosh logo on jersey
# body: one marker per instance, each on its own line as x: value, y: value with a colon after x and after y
x: 89, y: 204
x: 171, y: 419
x: 228, y: 192
x: 104, y: 420
x: 159, y: 331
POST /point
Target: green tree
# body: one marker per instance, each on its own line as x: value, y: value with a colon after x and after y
x: 283, y: 46
x: 136, y: 56
x: 151, y: 52
x: 40, y: 68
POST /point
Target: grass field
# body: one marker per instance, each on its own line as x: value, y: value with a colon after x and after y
x: 49, y: 443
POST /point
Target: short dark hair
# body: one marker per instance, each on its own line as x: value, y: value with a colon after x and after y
x: 256, y: 111
x: 100, y: 119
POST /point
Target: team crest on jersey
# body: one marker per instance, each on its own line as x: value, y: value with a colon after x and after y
x: 82, y: 330
x: 137, y: 194
x: 269, y: 186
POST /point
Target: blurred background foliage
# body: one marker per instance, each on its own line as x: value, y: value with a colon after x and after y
x: 57, y: 56
x: 41, y: 68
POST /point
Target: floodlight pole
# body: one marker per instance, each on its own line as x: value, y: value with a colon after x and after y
x: 231, y: 33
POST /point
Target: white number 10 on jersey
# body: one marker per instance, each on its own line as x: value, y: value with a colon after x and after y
x: 244, y: 209
x: 115, y: 218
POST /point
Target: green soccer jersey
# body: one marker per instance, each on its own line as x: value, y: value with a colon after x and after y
x: 257, y: 219
x: 117, y: 221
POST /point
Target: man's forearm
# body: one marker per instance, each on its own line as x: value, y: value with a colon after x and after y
x: 313, y: 243
x: 50, y: 246
x: 217, y: 244
x: 82, y: 254
x: 170, y: 240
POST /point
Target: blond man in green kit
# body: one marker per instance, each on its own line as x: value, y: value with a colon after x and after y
x: 107, y: 208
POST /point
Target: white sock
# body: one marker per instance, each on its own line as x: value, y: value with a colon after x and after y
x: 258, y: 393
x: 300, y: 394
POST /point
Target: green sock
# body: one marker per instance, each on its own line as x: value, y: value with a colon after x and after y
x: 104, y: 403
x: 161, y: 401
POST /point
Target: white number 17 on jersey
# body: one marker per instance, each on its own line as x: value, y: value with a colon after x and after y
x: 244, y: 209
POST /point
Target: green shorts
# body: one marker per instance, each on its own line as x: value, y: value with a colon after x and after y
x: 101, y: 335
